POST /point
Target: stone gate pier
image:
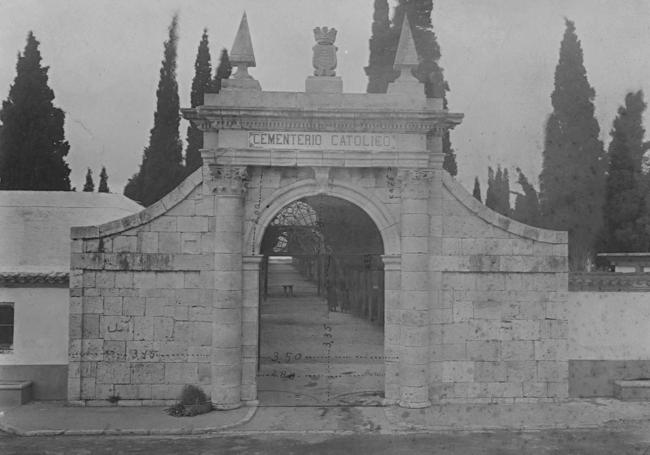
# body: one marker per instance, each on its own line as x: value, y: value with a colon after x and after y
x: 474, y: 301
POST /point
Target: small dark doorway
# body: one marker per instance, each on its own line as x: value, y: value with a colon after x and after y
x: 321, y: 306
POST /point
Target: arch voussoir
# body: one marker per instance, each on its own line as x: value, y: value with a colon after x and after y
x: 387, y: 225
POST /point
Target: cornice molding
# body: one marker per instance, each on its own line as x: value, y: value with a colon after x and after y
x: 382, y: 121
x: 228, y: 156
x: 496, y: 219
x: 609, y: 282
x: 34, y: 279
x: 155, y: 210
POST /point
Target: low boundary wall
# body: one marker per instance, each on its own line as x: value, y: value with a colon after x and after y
x: 609, y: 331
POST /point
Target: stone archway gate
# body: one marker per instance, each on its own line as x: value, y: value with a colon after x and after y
x: 474, y: 301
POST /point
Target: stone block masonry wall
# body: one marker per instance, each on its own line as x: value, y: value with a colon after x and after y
x: 141, y: 293
x: 476, y: 303
x: 500, y: 331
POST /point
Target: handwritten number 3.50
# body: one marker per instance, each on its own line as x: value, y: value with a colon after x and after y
x: 288, y: 357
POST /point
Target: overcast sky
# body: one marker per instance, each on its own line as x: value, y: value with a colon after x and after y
x: 499, y: 57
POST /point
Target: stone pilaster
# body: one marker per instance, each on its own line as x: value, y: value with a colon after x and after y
x: 415, y: 290
x: 228, y: 186
x: 75, y: 330
x: 250, y: 327
x: 436, y: 160
x: 437, y: 303
x: 392, y: 321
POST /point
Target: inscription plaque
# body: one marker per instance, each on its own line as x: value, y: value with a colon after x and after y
x: 320, y: 140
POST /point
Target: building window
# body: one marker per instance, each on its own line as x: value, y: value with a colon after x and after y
x: 6, y: 326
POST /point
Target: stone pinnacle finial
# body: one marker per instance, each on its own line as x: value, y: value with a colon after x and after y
x: 242, y: 55
x: 406, y: 55
x: 406, y: 58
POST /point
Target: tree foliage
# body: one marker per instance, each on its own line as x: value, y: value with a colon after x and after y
x: 449, y: 162
x: 491, y: 191
x: 103, y: 181
x: 574, y: 163
x: 224, y: 70
x: 32, y: 141
x: 624, y: 223
x: 89, y: 186
x: 200, y: 85
x: 382, y: 50
x: 497, y: 196
x: 162, y: 169
x: 383, y: 47
x: 477, y: 189
x: 527, y: 204
x: 504, y: 192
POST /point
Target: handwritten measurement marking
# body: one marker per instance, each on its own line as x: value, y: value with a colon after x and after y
x: 327, y: 334
x: 288, y: 357
x: 291, y: 375
x: 257, y: 210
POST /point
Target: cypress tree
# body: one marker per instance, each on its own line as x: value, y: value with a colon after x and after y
x: 200, y: 85
x: 643, y: 221
x: 89, y: 186
x: 624, y: 195
x: 103, y: 182
x: 477, y: 189
x: 498, y: 190
x: 382, y: 50
x: 162, y: 169
x: 505, y: 193
x: 573, y: 170
x: 224, y: 70
x: 32, y: 142
x: 519, y: 212
x: 502, y: 191
x: 527, y: 204
x: 133, y: 187
x: 497, y: 196
x: 449, y: 162
x: 491, y: 193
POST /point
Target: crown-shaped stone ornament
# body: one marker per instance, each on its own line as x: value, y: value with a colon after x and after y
x: 325, y: 35
x: 324, y: 59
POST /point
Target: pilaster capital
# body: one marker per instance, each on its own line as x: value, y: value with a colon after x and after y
x: 415, y: 183
x: 252, y: 262
x: 228, y: 180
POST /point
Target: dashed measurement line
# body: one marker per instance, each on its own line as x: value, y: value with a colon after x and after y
x: 298, y: 357
x: 291, y: 375
x: 351, y: 357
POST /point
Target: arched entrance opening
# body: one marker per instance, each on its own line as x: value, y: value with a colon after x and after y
x: 321, y: 313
